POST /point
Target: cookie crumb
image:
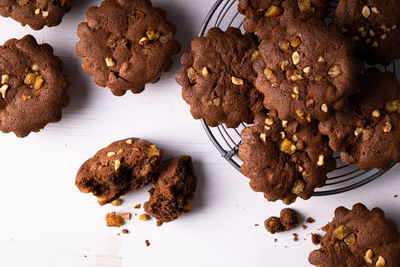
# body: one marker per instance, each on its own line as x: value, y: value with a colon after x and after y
x: 395, y: 196
x: 295, y: 237
x: 147, y: 243
x: 256, y: 224
x: 310, y: 220
x: 125, y: 231
x: 275, y: 240
x: 116, y: 202
x: 304, y: 227
x: 137, y: 206
x: 315, y: 238
x: 85, y: 256
x: 288, y: 220
x: 144, y: 217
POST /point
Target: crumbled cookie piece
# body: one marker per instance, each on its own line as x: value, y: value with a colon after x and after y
x: 137, y: 206
x: 310, y: 220
x: 126, y: 44
x: 125, y: 231
x: 147, y: 243
x: 358, y: 237
x: 225, y: 92
x: 33, y: 87
x: 288, y: 219
x: 295, y: 237
x: 306, y: 71
x: 284, y: 160
x: 316, y: 239
x: 133, y: 164
x: 114, y: 220
x: 144, y: 217
x: 173, y: 190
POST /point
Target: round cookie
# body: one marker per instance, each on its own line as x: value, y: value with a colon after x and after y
x: 218, y: 78
x: 126, y: 44
x: 306, y: 71
x: 123, y: 166
x: 284, y: 160
x: 33, y: 87
x: 373, y: 25
x: 368, y: 132
x: 35, y: 13
x: 262, y: 16
x: 358, y: 237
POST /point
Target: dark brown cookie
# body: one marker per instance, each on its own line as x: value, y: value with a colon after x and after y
x: 373, y: 25
x: 218, y: 77
x: 173, y: 190
x: 288, y: 219
x: 35, y: 13
x: 126, y: 44
x: 262, y: 16
x: 33, y: 87
x: 284, y: 159
x: 306, y: 71
x: 368, y: 132
x: 358, y: 237
x: 119, y: 168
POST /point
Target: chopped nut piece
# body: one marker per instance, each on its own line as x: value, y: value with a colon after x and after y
x: 310, y: 103
x: 350, y: 240
x: 371, y: 33
x: 334, y: 72
x: 341, y: 232
x: 164, y: 39
x: 109, y: 62
x: 367, y: 134
x: 4, y: 78
x: 388, y: 127
x: 298, y: 187
x: 144, y: 217
x: 269, y: 121
x: 204, y: 71
x: 256, y: 54
x: 366, y: 12
x: 126, y: 216
x: 376, y: 113
x: 295, y: 96
x: 297, y: 75
x: 120, y: 151
x: 300, y: 145
x: 153, y: 151
x: 394, y: 27
x: 273, y: 11
x: 263, y: 137
x: 364, y: 34
x: 380, y: 262
x: 375, y: 10
x: 3, y: 91
x: 191, y: 73
x: 151, y: 35
x: 296, y: 57
x: 295, y: 42
x: 286, y: 146
x: 318, y: 78
x: 217, y: 101
x: 361, y: 29
x: 375, y: 44
x: 22, y: 2
x: 283, y: 135
x: 358, y: 131
x: 321, y: 59
x: 295, y: 138
x: 304, y: 5
x: 306, y: 69
x: 275, y: 85
x: 38, y: 82
x: 324, y: 107
x: 137, y: 206
x: 284, y: 64
x: 392, y: 106
x: 116, y: 202
x: 143, y: 41
x: 300, y: 113
x: 117, y: 164
x: 114, y: 220
x: 289, y: 199
x: 267, y: 128
x: 45, y: 14
x: 268, y: 73
x: 300, y: 169
x: 321, y: 159
x: 368, y: 256
x: 35, y: 67
x: 37, y: 11
x: 26, y: 97
x: 284, y: 124
x: 296, y: 89
x: 384, y: 36
x: 237, y: 81
x: 284, y: 45
x: 129, y: 141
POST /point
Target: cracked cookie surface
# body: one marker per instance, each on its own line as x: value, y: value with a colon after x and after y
x: 374, y: 27
x: 35, y: 13
x: 126, y: 44
x: 284, y: 160
x: 119, y: 168
x: 262, y: 16
x: 368, y: 132
x: 358, y: 237
x: 173, y: 190
x: 33, y: 87
x: 218, y: 78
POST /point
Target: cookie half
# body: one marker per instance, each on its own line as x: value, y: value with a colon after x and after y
x: 33, y: 87
x: 368, y: 132
x: 284, y: 160
x: 126, y: 44
x: 218, y: 78
x: 35, y: 13
x: 358, y: 237
x: 306, y: 71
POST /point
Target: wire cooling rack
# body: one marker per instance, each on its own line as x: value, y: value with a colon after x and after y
x: 227, y: 140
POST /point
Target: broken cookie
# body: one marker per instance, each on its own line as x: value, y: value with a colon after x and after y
x: 288, y: 219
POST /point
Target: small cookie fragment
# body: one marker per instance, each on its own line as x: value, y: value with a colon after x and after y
x: 358, y: 237
x: 173, y: 190
x: 288, y: 220
x: 114, y: 220
x: 36, y: 13
x: 284, y: 162
x: 33, y: 87
x: 225, y: 93
x: 138, y: 165
x: 126, y: 44
x: 316, y: 239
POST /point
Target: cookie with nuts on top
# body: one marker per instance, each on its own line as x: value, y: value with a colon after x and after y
x: 285, y: 160
x: 35, y: 13
x: 358, y: 237
x: 368, y: 132
x: 173, y: 191
x: 126, y: 44
x: 306, y: 71
x: 262, y: 16
x: 218, y: 78
x: 119, y: 168
x: 374, y: 27
x: 33, y: 87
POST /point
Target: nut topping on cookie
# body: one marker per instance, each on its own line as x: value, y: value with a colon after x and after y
x: 368, y: 256
x: 3, y: 90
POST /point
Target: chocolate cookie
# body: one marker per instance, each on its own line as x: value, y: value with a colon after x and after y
x: 218, y: 78
x: 262, y: 16
x: 358, y: 237
x: 126, y: 44
x: 173, y: 190
x: 284, y: 159
x: 288, y: 219
x: 374, y: 27
x: 33, y: 87
x: 368, y: 132
x: 306, y: 71
x: 119, y: 168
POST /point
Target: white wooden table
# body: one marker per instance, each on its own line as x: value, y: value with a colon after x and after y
x: 46, y: 221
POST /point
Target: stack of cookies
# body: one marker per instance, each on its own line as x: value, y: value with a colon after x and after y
x: 301, y: 83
